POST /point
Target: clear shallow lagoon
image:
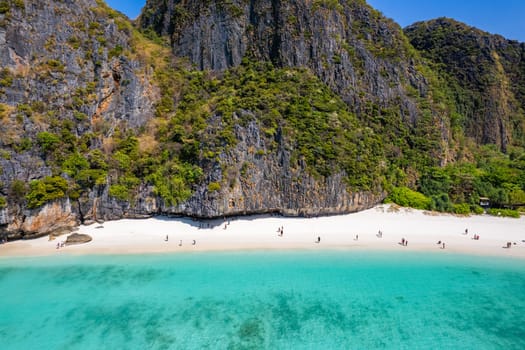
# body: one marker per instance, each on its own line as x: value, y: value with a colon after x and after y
x: 263, y: 300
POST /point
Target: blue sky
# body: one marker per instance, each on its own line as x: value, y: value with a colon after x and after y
x: 129, y: 7
x: 505, y: 17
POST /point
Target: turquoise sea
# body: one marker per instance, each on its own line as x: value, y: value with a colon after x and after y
x: 263, y: 300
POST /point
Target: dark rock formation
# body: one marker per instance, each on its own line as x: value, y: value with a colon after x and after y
x: 20, y: 223
x: 78, y: 238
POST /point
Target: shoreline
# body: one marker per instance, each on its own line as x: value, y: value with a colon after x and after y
x: 349, y: 232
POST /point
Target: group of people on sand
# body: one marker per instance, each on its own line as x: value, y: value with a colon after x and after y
x: 442, y: 244
x: 194, y: 242
x: 280, y: 232
x: 475, y: 237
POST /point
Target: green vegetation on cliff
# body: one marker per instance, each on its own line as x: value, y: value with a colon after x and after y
x: 289, y: 105
x: 45, y: 190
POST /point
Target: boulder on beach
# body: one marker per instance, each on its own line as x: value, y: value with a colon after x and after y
x: 78, y: 238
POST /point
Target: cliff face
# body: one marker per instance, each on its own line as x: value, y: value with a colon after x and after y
x: 63, y: 72
x: 64, y: 57
x: 77, y: 83
x: 361, y: 55
x: 487, y: 73
x: 254, y: 179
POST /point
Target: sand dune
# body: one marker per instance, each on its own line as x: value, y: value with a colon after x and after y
x: 358, y: 231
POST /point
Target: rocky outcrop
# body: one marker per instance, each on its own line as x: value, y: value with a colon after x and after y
x: 78, y: 238
x: 4, y: 222
x: 17, y: 223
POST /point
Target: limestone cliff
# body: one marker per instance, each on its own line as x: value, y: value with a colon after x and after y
x: 351, y: 47
x: 74, y: 83
x: 63, y: 71
x: 487, y: 73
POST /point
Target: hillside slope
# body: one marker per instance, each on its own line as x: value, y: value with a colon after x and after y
x: 487, y: 74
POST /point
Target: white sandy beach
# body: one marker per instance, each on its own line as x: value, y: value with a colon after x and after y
x: 421, y: 229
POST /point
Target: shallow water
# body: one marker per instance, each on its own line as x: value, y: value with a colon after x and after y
x: 263, y: 300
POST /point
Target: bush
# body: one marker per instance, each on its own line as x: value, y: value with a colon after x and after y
x: 20, y: 4
x: 3, y: 202
x: 461, y: 209
x: 406, y: 197
x: 441, y: 203
x: 476, y: 209
x: 119, y: 192
x: 45, y: 190
x: 74, y: 164
x: 48, y: 141
x: 214, y: 187
x: 504, y: 212
x: 79, y: 116
x: 4, y: 7
x: 55, y: 65
x: 172, y: 181
x: 90, y: 177
x: 18, y: 189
